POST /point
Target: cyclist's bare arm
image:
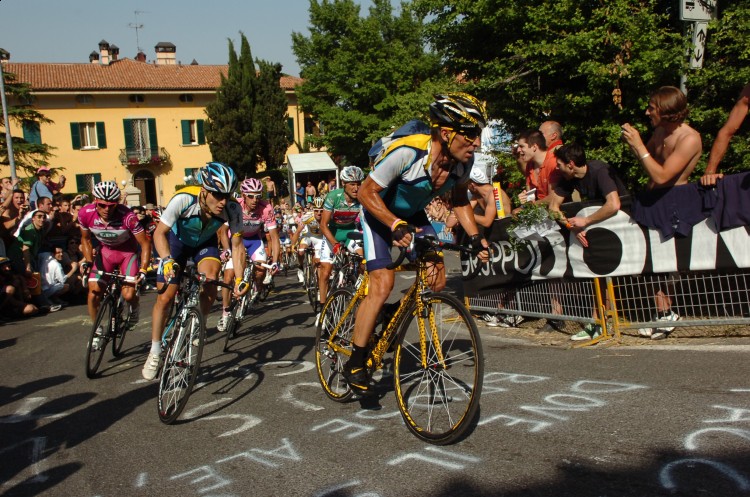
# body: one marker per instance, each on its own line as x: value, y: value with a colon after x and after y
x: 325, y: 218
x: 160, y: 240
x: 145, y: 242
x: 238, y: 260
x: 86, y: 248
x: 223, y: 235
x: 465, y: 216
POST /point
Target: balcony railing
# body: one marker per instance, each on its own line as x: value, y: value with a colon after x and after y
x: 143, y: 156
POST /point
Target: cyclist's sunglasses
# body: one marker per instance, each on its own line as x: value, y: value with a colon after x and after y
x: 469, y: 134
x: 221, y: 196
x: 105, y: 205
x: 255, y: 196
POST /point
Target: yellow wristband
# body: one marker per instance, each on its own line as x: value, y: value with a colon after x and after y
x: 237, y: 280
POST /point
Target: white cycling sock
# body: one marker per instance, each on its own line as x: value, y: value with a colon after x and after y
x: 155, y: 347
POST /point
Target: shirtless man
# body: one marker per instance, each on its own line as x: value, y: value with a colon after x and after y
x: 669, y: 157
x: 675, y: 148
x: 734, y: 121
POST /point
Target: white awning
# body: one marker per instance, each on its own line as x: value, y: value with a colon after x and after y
x: 311, y: 162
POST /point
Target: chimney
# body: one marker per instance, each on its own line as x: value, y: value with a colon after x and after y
x: 94, y: 57
x: 104, y: 51
x: 166, y: 53
x: 140, y: 57
x: 114, y: 50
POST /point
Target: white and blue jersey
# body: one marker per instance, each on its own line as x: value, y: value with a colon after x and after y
x: 183, y: 216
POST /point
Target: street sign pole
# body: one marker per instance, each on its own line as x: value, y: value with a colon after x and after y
x: 697, y: 13
x: 8, y: 137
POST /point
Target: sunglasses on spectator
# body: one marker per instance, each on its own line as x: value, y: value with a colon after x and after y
x: 254, y: 195
x: 105, y: 205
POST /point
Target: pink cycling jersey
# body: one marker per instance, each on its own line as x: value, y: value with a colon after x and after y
x: 253, y: 222
x: 119, y: 233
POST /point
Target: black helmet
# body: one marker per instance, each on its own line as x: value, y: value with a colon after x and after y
x: 458, y: 111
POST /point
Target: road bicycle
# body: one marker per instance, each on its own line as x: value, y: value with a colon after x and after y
x: 438, y: 363
x: 111, y: 322
x: 346, y: 265
x: 182, y: 344
x: 240, y: 307
x: 310, y: 272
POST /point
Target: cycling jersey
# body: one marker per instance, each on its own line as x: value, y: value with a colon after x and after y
x: 118, y: 232
x: 403, y: 173
x: 343, y: 215
x: 183, y: 216
x: 255, y: 221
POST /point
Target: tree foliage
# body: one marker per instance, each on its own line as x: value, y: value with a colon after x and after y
x: 247, y: 121
x: 364, y: 76
x: 28, y: 157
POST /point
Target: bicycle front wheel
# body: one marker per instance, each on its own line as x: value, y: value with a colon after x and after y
x: 98, y: 338
x: 231, y: 325
x: 181, y: 366
x: 332, y: 353
x: 440, y: 399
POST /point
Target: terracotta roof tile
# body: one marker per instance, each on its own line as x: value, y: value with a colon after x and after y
x: 123, y: 74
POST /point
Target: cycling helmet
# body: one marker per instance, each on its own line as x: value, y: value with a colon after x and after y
x: 352, y: 173
x: 107, y: 190
x: 251, y: 185
x: 218, y: 177
x: 318, y: 202
x: 457, y: 111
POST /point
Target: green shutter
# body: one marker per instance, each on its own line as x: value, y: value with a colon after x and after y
x: 31, y: 132
x: 290, y: 125
x: 152, y: 136
x: 101, y: 136
x: 201, y: 132
x: 185, y: 132
x: 81, y: 183
x: 97, y: 178
x: 127, y: 125
x: 75, y: 135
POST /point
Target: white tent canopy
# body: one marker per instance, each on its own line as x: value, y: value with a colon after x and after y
x: 312, y: 162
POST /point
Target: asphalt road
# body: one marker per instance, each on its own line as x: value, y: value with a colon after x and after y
x: 601, y: 421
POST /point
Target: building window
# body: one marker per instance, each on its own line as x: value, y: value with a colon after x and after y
x: 88, y: 136
x: 86, y: 182
x: 290, y: 129
x: 141, y: 145
x: 31, y: 132
x: 193, y: 132
x: 190, y: 176
x: 186, y: 98
x: 137, y: 98
x: 85, y: 99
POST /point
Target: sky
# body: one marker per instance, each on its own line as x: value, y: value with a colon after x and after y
x: 69, y: 30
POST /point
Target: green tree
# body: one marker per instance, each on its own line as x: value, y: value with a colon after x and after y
x: 364, y: 76
x: 247, y: 121
x: 588, y: 64
x: 27, y: 156
x: 270, y: 114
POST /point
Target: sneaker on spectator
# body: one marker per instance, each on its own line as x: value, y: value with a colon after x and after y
x: 645, y: 332
x: 667, y: 317
x: 151, y: 367
x: 512, y: 320
x: 222, y: 324
x: 55, y: 307
x: 300, y: 276
x: 493, y: 321
x: 589, y: 332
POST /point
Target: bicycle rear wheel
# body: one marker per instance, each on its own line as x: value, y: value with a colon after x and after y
x: 181, y: 366
x: 331, y: 355
x: 121, y: 326
x: 439, y: 402
x: 95, y: 351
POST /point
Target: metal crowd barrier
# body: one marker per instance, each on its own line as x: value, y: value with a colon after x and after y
x: 708, y: 298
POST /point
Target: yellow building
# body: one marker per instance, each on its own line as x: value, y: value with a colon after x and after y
x: 128, y: 120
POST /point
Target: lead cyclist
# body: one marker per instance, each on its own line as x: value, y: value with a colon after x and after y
x: 187, y: 229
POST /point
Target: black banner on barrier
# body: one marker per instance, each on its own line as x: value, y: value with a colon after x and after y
x: 617, y: 246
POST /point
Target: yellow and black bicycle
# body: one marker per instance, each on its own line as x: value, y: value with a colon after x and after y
x: 438, y: 363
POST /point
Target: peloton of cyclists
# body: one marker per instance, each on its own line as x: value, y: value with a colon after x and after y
x: 308, y: 232
x: 123, y: 244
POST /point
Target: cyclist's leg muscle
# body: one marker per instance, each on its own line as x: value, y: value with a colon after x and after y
x: 379, y: 288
